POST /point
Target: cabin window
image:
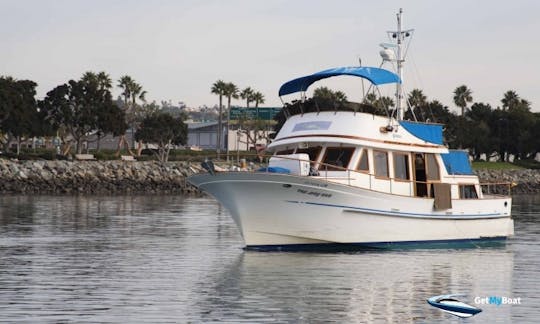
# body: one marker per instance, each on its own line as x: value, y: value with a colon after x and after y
x: 313, y: 152
x: 338, y: 157
x: 467, y: 192
x: 432, y: 167
x: 285, y: 152
x: 363, y: 164
x: 380, y: 160
x: 401, y: 166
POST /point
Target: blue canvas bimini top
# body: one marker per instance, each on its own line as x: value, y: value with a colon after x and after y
x: 375, y: 75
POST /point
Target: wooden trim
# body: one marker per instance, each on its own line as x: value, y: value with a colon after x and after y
x: 408, y: 160
x: 361, y: 139
x: 363, y: 152
x: 401, y: 180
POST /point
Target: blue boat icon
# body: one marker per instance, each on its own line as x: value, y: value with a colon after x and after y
x: 450, y: 304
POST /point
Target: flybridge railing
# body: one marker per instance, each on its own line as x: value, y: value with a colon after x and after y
x: 353, y: 178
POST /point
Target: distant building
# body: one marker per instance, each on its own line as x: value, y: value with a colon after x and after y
x: 204, y: 135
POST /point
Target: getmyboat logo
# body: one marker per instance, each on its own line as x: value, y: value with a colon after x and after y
x: 497, y: 300
x: 453, y: 304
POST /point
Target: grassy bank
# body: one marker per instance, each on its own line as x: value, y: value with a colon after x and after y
x: 495, y: 166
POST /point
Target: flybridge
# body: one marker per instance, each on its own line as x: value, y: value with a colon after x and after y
x: 375, y: 75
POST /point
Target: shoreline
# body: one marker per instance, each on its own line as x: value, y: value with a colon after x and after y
x: 151, y: 177
x: 96, y: 177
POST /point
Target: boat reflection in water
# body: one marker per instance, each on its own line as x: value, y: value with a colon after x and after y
x: 360, y: 287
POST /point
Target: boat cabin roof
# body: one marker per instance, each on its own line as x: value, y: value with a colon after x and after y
x: 359, y: 129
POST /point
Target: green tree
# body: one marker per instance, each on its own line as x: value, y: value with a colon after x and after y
x: 417, y: 101
x: 247, y: 95
x: 480, y: 139
x: 462, y: 95
x: 76, y: 107
x: 230, y: 91
x: 67, y: 106
x: 370, y: 99
x: 218, y: 88
x: 19, y: 116
x: 111, y: 120
x: 131, y: 93
x: 510, y: 100
x: 108, y: 114
x: 383, y: 104
x: 521, y: 122
x: 164, y: 131
x: 258, y: 98
x: 327, y: 94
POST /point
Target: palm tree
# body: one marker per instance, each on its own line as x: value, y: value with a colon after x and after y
x: 218, y: 88
x: 104, y: 81
x: 89, y: 77
x: 384, y: 103
x: 247, y: 95
x: 138, y: 114
x: 370, y: 99
x: 510, y: 99
x: 230, y: 91
x: 131, y: 90
x: 462, y: 95
x: 258, y: 98
x: 126, y: 84
x: 417, y: 99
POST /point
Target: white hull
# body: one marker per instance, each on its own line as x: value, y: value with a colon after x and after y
x: 277, y: 210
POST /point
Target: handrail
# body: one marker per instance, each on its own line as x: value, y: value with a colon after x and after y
x: 371, y: 176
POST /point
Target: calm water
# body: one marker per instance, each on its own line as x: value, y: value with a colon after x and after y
x: 174, y: 259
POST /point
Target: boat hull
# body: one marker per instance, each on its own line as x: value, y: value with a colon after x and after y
x: 276, y: 211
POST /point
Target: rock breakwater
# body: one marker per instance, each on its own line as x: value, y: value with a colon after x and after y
x: 525, y: 181
x: 95, y: 177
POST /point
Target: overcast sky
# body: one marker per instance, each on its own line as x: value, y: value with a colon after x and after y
x: 177, y: 49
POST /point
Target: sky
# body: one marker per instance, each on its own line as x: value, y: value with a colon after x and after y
x: 177, y: 49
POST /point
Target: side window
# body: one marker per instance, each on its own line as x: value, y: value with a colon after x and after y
x: 401, y: 166
x: 363, y: 164
x: 337, y: 156
x: 313, y: 152
x: 380, y: 159
x: 432, y: 167
x: 467, y: 192
x: 285, y: 152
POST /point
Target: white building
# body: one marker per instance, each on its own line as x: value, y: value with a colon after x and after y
x: 204, y: 136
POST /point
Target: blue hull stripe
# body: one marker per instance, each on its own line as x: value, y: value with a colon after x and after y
x: 395, y: 213
x: 343, y: 247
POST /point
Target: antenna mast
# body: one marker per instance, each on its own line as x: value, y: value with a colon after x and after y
x: 400, y: 36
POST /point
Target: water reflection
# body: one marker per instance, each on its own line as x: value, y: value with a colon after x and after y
x: 176, y: 259
x: 360, y: 287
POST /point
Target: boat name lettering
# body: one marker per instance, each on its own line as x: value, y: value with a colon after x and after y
x: 315, y: 184
x: 314, y: 193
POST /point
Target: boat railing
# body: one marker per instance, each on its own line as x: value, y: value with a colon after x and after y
x: 324, y: 171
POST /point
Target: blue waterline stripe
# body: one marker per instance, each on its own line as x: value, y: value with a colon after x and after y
x: 340, y: 247
x: 393, y: 213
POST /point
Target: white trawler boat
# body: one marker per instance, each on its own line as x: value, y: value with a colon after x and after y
x: 346, y: 177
